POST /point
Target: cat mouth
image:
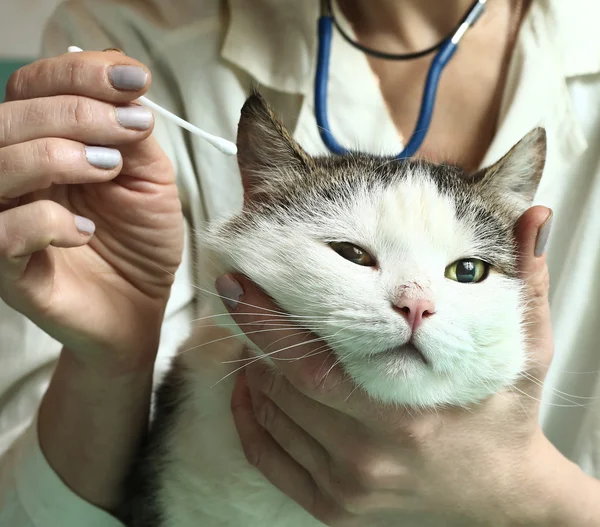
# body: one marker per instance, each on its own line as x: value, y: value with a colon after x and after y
x: 410, y: 351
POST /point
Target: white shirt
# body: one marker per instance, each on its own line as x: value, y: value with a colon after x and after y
x: 205, y: 57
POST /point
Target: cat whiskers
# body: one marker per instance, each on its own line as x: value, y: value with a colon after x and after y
x: 573, y: 405
x: 356, y: 387
x: 515, y: 402
x: 273, y: 325
x: 246, y: 359
x: 263, y: 356
x: 216, y: 294
x: 239, y: 301
x: 588, y: 372
x: 280, y: 328
x: 294, y: 359
x: 267, y: 323
x: 339, y: 357
x: 275, y: 316
x: 305, y: 331
x: 560, y: 394
x: 319, y: 351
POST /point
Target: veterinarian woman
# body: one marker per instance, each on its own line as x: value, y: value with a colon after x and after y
x: 79, y: 343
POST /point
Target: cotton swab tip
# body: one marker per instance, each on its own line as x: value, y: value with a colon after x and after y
x: 222, y: 145
x: 227, y: 147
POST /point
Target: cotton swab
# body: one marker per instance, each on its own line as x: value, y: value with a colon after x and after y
x: 227, y: 147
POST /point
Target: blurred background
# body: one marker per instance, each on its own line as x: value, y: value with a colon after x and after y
x: 21, y: 23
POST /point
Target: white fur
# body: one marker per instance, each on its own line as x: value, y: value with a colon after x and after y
x: 473, y: 342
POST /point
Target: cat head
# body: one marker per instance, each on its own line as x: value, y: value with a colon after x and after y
x: 407, y: 269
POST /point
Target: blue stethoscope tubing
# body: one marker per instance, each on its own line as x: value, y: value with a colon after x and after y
x: 441, y: 59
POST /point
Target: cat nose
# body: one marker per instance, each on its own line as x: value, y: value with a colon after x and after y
x: 414, y: 310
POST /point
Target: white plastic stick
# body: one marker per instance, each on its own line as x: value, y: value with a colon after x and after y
x: 223, y: 145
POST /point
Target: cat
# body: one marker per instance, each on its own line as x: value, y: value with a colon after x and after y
x: 409, y: 274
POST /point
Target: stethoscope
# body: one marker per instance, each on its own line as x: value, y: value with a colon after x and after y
x: 445, y: 50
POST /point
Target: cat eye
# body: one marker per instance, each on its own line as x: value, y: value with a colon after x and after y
x: 353, y: 254
x: 467, y: 271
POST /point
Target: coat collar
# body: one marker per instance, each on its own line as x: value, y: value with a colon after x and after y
x: 261, y: 31
x: 558, y: 41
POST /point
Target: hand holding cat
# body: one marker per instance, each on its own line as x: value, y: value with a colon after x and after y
x: 351, y: 461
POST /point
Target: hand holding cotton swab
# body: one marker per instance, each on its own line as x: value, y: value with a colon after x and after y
x: 227, y: 147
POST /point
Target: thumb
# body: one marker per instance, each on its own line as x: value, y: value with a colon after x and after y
x: 531, y: 232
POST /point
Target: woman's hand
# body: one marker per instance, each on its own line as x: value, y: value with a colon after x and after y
x: 90, y: 222
x: 352, y: 462
x: 91, y: 232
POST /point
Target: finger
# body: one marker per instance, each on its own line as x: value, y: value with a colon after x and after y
x: 33, y: 227
x: 263, y: 453
x: 531, y: 233
x: 278, y: 408
x: 296, y: 421
x: 76, y: 118
x: 145, y: 160
x: 274, y: 463
x: 110, y: 77
x: 304, y: 358
x: 37, y: 164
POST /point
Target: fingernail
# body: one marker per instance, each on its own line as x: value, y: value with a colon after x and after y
x: 116, y: 50
x: 128, y: 78
x: 542, y: 236
x: 102, y: 157
x: 85, y: 226
x: 230, y: 290
x: 134, y: 117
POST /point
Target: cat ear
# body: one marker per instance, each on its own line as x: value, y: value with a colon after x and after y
x: 516, y: 176
x: 267, y: 153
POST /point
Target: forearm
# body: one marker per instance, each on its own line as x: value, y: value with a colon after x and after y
x: 583, y: 509
x: 90, y: 427
x: 577, y: 499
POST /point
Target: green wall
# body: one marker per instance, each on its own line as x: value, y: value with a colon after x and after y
x: 6, y: 69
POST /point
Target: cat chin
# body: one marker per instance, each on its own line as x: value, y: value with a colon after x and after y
x: 407, y: 380
x: 424, y: 392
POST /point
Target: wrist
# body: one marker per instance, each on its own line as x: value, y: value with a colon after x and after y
x: 108, y: 367
x: 120, y: 347
x: 130, y: 349
x: 90, y: 427
x: 559, y: 493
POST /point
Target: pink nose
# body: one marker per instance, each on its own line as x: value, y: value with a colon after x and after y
x: 414, y: 310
